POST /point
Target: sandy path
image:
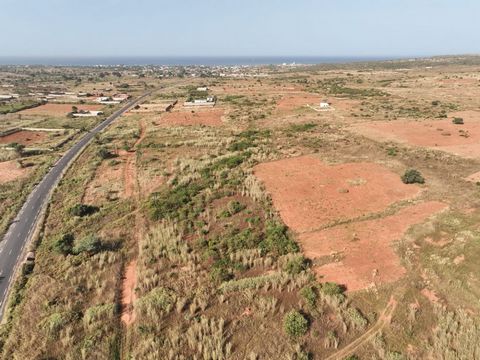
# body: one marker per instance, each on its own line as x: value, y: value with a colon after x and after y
x: 128, y: 293
x: 130, y: 171
x: 384, y: 320
x: 130, y: 280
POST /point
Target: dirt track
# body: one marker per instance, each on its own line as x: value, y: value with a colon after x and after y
x: 384, y: 319
x: 130, y: 280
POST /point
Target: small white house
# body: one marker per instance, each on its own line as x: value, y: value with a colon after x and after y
x: 324, y: 105
x: 202, y: 88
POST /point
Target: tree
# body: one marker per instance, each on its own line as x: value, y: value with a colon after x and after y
x: 74, y: 109
x: 413, y: 176
x: 458, y: 121
x: 83, y: 210
x: 105, y: 154
x: 295, y: 324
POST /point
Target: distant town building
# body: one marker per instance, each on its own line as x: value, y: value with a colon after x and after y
x: 209, y: 101
x: 202, y: 88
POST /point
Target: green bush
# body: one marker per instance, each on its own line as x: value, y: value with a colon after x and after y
x: 235, y: 207
x: 295, y: 324
x: 167, y: 203
x: 220, y: 271
x: 309, y: 294
x: 64, y: 244
x: 277, y: 240
x: 81, y: 210
x: 356, y: 318
x: 413, y: 176
x: 105, y: 154
x: 89, y: 244
x: 330, y: 288
x: 458, y: 121
x: 296, y: 265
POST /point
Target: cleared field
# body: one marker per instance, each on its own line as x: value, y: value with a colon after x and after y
x: 310, y: 194
x: 25, y: 137
x: 10, y: 170
x: 362, y: 253
x: 442, y: 134
x: 59, y: 109
x: 326, y: 206
x: 291, y: 102
x: 106, y: 185
x: 194, y: 117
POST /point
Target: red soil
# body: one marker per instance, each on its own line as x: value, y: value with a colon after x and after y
x: 291, y: 102
x: 107, y: 179
x: 365, y: 248
x: 198, y: 117
x: 59, y: 109
x: 24, y: 137
x: 463, y: 140
x: 310, y: 194
x: 128, y: 293
x: 9, y: 171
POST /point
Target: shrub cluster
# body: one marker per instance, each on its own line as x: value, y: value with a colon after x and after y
x: 277, y: 240
x: 413, y: 176
x: 295, y: 324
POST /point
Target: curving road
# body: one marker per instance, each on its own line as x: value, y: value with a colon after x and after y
x: 23, y: 226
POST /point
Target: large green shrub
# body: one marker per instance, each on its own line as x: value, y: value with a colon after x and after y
x: 295, y: 324
x: 83, y: 210
x: 413, y: 176
x: 89, y: 244
x: 277, y: 240
x: 330, y: 288
x: 64, y: 244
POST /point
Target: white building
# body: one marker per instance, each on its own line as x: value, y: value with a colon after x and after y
x: 202, y: 88
x: 324, y: 105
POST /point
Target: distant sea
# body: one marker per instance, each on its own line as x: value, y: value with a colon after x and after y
x: 184, y: 61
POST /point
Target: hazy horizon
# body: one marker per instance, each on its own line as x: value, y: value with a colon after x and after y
x: 213, y: 28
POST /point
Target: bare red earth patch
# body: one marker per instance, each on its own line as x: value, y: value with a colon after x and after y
x: 59, y: 109
x: 291, y: 102
x: 197, y: 117
x: 463, y: 140
x: 365, y: 248
x: 9, y: 171
x: 24, y: 137
x: 310, y: 194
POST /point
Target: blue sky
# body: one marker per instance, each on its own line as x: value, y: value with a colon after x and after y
x: 238, y: 27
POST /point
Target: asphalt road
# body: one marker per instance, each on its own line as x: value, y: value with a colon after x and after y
x: 23, y: 226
